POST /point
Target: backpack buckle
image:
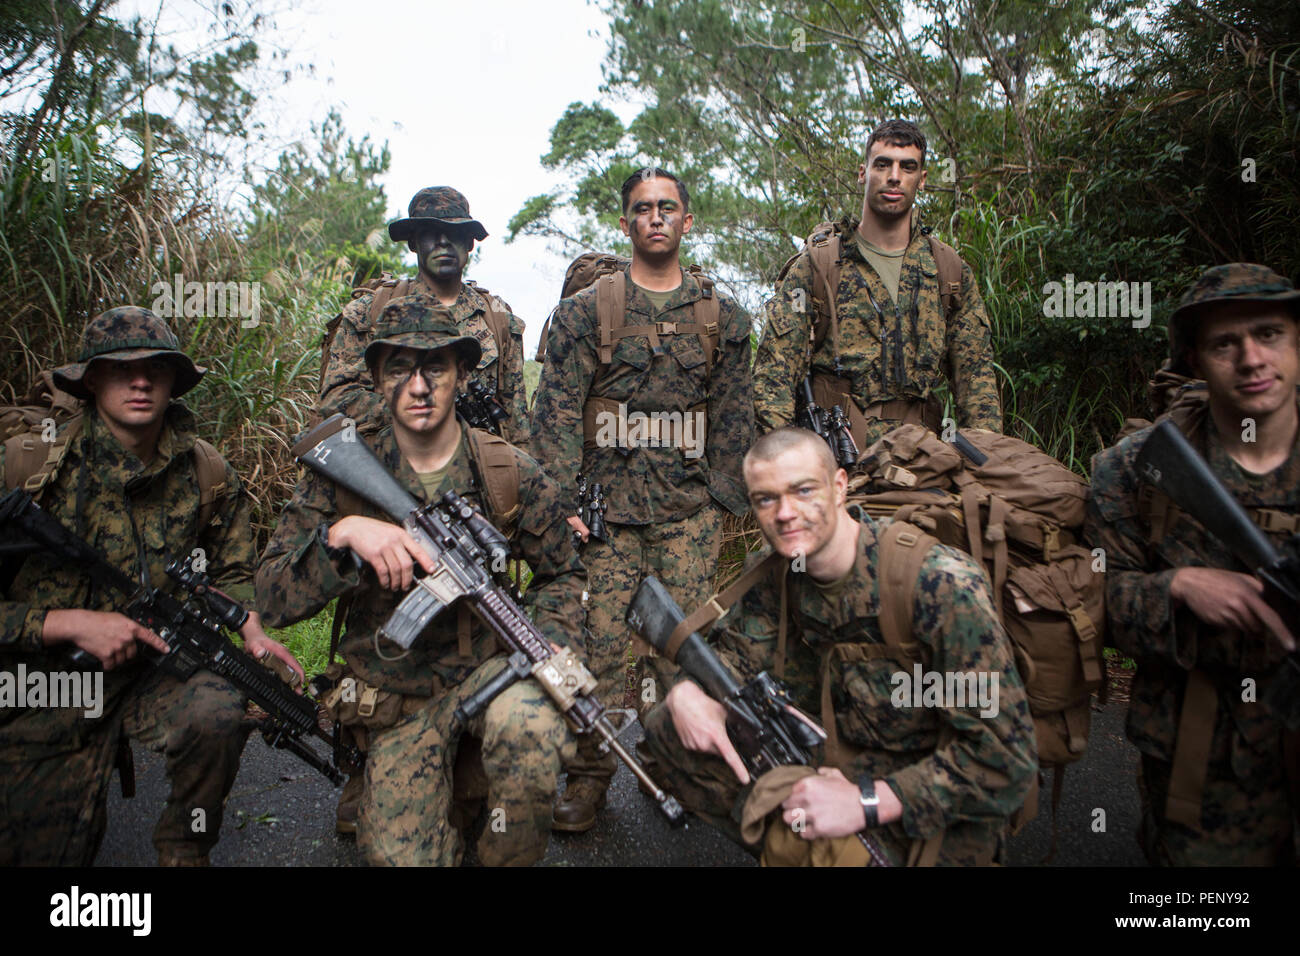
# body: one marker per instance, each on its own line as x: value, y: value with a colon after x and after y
x: 665, y: 328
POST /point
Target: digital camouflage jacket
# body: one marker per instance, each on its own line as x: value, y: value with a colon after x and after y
x: 298, y: 576
x: 645, y: 484
x: 904, y: 351
x: 126, y: 508
x: 347, y: 386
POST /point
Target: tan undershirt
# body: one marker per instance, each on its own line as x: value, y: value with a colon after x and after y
x: 657, y: 299
x: 888, y: 265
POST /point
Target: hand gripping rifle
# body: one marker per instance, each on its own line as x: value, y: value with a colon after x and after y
x: 479, y: 407
x: 191, y: 627
x: 462, y: 543
x: 765, y: 727
x: 1170, y: 463
x: 832, y: 427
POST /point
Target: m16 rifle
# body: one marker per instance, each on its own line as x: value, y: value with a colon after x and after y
x: 832, y: 427
x: 591, y: 510
x: 1169, y: 462
x: 463, y: 545
x: 190, y: 624
x: 764, y: 726
x: 479, y: 407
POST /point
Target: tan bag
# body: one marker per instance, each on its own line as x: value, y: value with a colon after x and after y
x: 1019, y: 515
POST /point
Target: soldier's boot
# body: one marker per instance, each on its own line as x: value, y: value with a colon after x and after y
x: 171, y: 857
x: 345, y: 818
x: 576, y: 810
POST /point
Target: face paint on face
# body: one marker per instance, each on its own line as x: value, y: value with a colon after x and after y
x: 795, y: 501
x: 442, y: 254
x: 420, y: 387
x: 655, y: 220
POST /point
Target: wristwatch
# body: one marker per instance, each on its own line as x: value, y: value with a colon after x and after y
x: 869, y: 800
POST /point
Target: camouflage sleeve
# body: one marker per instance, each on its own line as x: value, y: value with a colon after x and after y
x: 297, y: 576
x: 970, y: 360
x: 986, y: 761
x: 554, y: 596
x: 782, y: 357
x: 515, y: 399
x: 21, y: 625
x: 227, y: 542
x: 347, y: 388
x: 1141, y: 617
x: 556, y: 437
x: 731, y: 412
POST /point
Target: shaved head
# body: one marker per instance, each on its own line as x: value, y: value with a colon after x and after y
x: 776, y: 443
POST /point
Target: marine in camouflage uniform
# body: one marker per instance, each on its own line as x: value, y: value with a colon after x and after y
x: 420, y: 772
x: 664, y: 504
x: 957, y: 774
x: 1230, y: 805
x: 347, y: 386
x: 889, y: 353
x: 56, y: 763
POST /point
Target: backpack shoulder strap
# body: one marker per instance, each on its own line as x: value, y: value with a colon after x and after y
x: 498, y: 322
x: 950, y: 266
x: 706, y: 614
x: 210, y: 469
x: 824, y: 247
x: 611, y: 311
x: 498, y: 471
x: 31, y: 463
x: 903, y: 549
x: 708, y: 315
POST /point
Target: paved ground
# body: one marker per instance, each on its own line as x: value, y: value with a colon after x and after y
x: 281, y: 813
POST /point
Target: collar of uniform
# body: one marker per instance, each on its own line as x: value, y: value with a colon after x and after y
x: 860, y: 597
x: 849, y: 246
x: 468, y: 300
x: 388, y: 452
x: 174, y: 441
x: 686, y: 293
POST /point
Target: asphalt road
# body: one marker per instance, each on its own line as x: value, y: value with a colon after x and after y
x: 281, y: 813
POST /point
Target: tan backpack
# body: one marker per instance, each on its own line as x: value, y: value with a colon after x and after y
x: 1019, y: 513
x: 32, y: 460
x: 388, y: 287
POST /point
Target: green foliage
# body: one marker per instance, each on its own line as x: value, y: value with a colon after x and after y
x: 1066, y: 139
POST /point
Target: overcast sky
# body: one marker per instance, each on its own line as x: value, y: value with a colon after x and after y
x: 465, y: 94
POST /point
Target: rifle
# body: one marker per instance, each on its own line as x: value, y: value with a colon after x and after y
x: 191, y: 627
x: 1169, y: 462
x: 591, y: 510
x: 832, y: 427
x: 480, y: 408
x: 462, y: 543
x: 765, y: 727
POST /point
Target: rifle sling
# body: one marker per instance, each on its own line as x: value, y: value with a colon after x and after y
x: 1192, y: 750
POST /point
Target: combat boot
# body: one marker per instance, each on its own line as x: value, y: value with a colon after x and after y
x: 576, y: 810
x: 345, y: 818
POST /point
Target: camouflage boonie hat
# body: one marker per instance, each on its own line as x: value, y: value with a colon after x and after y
x: 123, y: 335
x: 1234, y: 282
x: 436, y: 204
x: 421, y: 322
